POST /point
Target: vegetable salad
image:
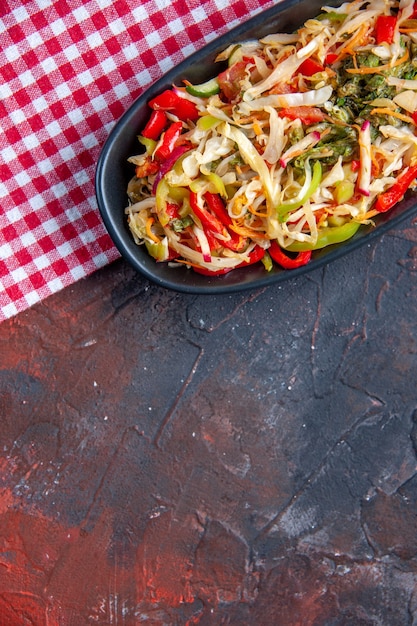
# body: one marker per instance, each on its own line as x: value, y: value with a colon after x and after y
x: 299, y: 140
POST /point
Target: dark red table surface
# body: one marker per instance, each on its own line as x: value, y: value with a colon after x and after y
x: 173, y: 459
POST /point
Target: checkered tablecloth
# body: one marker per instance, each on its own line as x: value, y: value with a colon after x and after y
x: 68, y: 70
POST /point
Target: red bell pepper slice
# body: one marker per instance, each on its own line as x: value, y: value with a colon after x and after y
x: 155, y: 125
x: 207, y: 219
x: 149, y: 167
x: 287, y: 262
x: 395, y: 193
x: 215, y: 219
x: 169, y: 140
x: 168, y: 100
x: 172, y: 210
x: 309, y: 67
x: 257, y: 254
x: 331, y: 58
x: 216, y: 206
x: 385, y: 28
x: 230, y: 80
x: 307, y: 115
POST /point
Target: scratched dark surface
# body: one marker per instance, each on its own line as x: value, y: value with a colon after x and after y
x: 172, y: 459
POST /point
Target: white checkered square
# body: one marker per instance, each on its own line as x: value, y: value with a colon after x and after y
x: 12, y: 53
x: 58, y: 27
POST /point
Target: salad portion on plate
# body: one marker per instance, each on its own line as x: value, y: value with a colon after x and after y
x: 299, y: 140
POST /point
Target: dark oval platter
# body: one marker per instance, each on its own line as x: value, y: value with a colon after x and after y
x: 113, y: 170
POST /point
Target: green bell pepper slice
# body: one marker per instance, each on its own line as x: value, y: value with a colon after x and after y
x: 159, y: 251
x: 327, y: 237
x: 284, y: 209
x: 206, y: 122
x: 204, y: 90
x: 148, y: 144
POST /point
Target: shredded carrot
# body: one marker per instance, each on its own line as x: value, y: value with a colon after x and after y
x: 369, y: 215
x: 244, y: 231
x: 149, y: 232
x: 388, y: 111
x: 376, y: 162
x: 257, y: 213
x: 255, y: 224
x: 330, y: 73
x: 188, y: 263
x: 381, y: 68
x: 257, y: 129
x: 242, y: 168
x: 258, y: 117
x: 352, y: 43
x: 409, y: 26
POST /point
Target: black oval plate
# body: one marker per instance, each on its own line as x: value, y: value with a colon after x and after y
x: 114, y: 172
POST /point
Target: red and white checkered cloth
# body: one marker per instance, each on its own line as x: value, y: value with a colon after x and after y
x: 68, y: 70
